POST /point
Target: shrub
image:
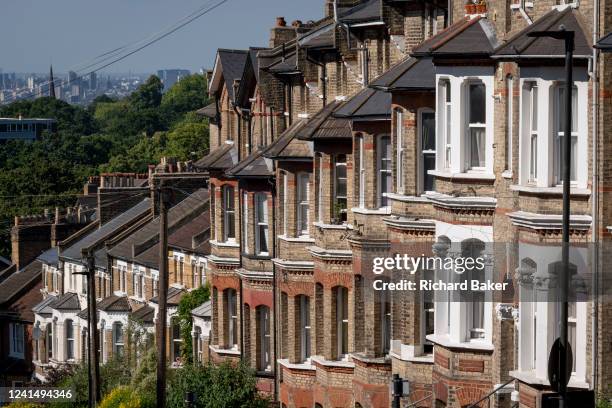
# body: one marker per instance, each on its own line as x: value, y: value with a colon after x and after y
x: 121, y: 397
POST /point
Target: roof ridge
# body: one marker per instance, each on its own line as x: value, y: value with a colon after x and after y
x: 460, y: 26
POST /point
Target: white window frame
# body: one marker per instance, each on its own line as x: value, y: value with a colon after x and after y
x: 261, y: 224
x: 422, y: 152
x: 399, y: 169
x: 245, y: 222
x: 509, y: 120
x: 531, y: 92
x: 285, y: 201
x: 383, y: 172
x: 229, y: 234
x: 445, y: 120
x: 303, y: 204
x: 305, y: 328
x: 17, y: 340
x: 559, y: 134
x: 362, y: 170
x: 343, y: 213
x: 69, y: 340
x: 232, y: 316
x: 342, y: 322
x: 320, y: 190
x: 118, y: 341
x: 265, y: 344
x: 467, y: 138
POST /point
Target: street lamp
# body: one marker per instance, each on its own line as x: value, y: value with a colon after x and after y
x: 560, y: 370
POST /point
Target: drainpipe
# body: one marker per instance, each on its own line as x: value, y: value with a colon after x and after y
x: 595, y: 192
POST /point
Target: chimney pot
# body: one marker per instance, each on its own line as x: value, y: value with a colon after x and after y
x: 280, y: 22
x: 297, y: 23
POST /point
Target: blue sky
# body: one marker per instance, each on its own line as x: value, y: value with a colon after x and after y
x: 66, y: 33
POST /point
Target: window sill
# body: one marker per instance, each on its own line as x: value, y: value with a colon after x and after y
x: 220, y: 350
x: 529, y: 377
x: 228, y: 244
x: 296, y: 366
x: 331, y: 226
x: 477, y: 175
x: 332, y: 363
x: 408, y: 198
x: 367, y: 211
x: 445, y: 341
x: 301, y: 238
x: 426, y: 358
x: 553, y: 191
x: 507, y: 174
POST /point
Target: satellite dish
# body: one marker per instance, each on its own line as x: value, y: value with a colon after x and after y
x: 554, y: 373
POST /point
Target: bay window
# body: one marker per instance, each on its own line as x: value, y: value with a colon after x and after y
x: 399, y: 169
x: 263, y: 322
x: 445, y: 120
x: 341, y: 323
x: 320, y: 190
x: 428, y: 149
x: 231, y: 304
x: 476, y: 129
x: 49, y: 340
x: 559, y: 134
x: 285, y: 201
x: 303, y: 203
x: 177, y: 340
x: 303, y: 303
x: 261, y: 223
x: 362, y: 171
x: 245, y: 221
x: 473, y: 249
x: 69, y: 327
x: 17, y: 340
x: 340, y: 188
x: 229, y: 216
x: 384, y: 165
x: 117, y: 339
x: 532, y: 128
x: 509, y: 119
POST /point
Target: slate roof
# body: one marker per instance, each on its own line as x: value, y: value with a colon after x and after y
x: 412, y: 74
x: 324, y: 126
x: 114, y: 304
x: 44, y: 307
x: 193, y: 236
x: 231, y: 65
x: 4, y: 263
x: 366, y: 12
x: 221, y: 158
x: 209, y: 111
x: 319, y: 37
x: 19, y: 281
x: 255, y: 166
x: 367, y: 104
x: 204, y: 310
x: 288, y: 146
x: 174, y: 296
x: 145, y: 314
x: 286, y: 66
x: 249, y: 79
x: 605, y: 43
x: 104, y: 232
x: 50, y: 257
x: 467, y: 38
x: 68, y: 301
x: 142, y: 246
x: 521, y: 46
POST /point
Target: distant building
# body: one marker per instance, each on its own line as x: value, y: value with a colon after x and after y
x: 171, y: 76
x: 93, y: 81
x: 24, y: 129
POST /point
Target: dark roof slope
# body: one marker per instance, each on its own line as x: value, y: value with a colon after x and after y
x: 366, y: 12
x: 319, y: 37
x: 50, y: 257
x: 67, y: 301
x: 412, y: 74
x: 4, y: 263
x: 231, y: 63
x: 221, y: 158
x: 115, y: 304
x: 204, y: 310
x: 288, y: 146
x: 255, y: 165
x: 467, y: 38
x: 20, y: 281
x: 193, y: 236
x: 605, y: 43
x: 523, y: 46
x: 104, y: 232
x: 367, y: 104
x: 174, y: 296
x: 324, y: 126
x: 145, y: 315
x: 44, y: 308
x: 209, y: 111
x: 142, y: 246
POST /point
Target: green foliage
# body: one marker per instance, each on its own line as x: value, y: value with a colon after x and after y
x: 109, y: 135
x: 226, y: 385
x: 144, y: 379
x: 121, y: 397
x: 190, y: 301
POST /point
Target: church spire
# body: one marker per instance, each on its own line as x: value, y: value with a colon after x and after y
x: 51, y: 83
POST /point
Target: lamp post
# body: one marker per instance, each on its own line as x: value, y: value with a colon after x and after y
x: 562, y: 369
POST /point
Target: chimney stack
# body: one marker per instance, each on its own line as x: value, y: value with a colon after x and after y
x: 281, y: 33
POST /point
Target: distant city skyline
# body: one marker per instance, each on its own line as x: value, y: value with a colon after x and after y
x: 67, y: 33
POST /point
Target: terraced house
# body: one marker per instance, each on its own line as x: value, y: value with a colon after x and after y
x: 416, y: 128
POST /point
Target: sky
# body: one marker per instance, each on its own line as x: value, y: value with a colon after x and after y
x: 68, y: 33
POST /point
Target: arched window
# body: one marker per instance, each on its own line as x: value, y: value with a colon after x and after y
x: 69, y: 326
x: 118, y: 339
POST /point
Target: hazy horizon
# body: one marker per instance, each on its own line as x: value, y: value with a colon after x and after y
x: 66, y: 33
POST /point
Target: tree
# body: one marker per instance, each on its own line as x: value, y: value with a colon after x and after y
x: 188, y: 302
x: 187, y: 95
x: 225, y: 385
x: 148, y: 95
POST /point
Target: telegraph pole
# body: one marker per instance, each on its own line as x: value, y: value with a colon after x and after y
x: 92, y: 332
x: 162, y: 196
